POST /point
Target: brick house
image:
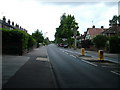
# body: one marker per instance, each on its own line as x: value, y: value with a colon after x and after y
x: 92, y: 32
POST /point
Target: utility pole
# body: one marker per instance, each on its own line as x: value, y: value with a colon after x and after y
x: 75, y: 34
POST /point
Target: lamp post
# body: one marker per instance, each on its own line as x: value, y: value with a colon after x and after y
x: 75, y: 34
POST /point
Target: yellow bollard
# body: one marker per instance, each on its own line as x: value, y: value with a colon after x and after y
x: 83, y: 51
x: 100, y: 55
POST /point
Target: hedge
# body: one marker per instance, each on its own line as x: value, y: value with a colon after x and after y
x: 16, y: 41
x: 86, y: 43
x: 100, y: 41
x: 114, y: 44
x: 31, y: 42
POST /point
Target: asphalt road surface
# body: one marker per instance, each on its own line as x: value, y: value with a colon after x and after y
x: 72, y: 72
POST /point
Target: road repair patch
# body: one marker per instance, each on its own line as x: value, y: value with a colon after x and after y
x: 42, y: 59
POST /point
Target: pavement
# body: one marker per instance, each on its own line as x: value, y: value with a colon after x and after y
x: 107, y: 56
x: 32, y: 70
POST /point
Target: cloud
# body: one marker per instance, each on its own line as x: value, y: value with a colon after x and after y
x: 45, y: 16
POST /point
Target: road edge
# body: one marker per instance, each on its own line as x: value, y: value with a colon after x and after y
x: 52, y: 71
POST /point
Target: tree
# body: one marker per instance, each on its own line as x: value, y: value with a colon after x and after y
x: 66, y: 29
x: 46, y: 41
x: 115, y: 20
x: 100, y: 41
x: 38, y: 36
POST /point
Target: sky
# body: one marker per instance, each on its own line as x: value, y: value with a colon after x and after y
x: 45, y: 14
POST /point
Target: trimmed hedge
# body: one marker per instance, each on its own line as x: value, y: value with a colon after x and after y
x: 114, y: 44
x: 16, y: 41
x: 86, y: 43
x: 31, y: 42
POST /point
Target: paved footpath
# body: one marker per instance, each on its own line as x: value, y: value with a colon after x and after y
x: 35, y: 73
x: 108, y: 56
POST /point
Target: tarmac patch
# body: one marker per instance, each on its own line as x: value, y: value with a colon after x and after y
x: 42, y: 59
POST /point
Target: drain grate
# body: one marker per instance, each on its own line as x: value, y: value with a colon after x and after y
x: 41, y: 59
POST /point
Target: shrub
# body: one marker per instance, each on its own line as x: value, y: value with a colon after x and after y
x: 100, y: 41
x: 114, y: 44
x: 31, y: 42
x: 15, y: 41
x: 86, y: 43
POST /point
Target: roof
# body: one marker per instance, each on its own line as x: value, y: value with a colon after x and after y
x: 95, y: 31
x: 112, y: 30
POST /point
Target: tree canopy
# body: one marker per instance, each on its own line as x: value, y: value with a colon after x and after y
x: 38, y: 36
x: 115, y: 20
x: 67, y: 28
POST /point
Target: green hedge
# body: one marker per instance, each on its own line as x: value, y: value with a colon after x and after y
x: 16, y: 41
x: 114, y: 44
x: 31, y: 42
x: 100, y: 41
x: 86, y: 43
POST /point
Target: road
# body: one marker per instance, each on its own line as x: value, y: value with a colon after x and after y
x: 72, y: 72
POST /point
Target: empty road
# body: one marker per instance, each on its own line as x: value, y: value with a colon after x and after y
x: 72, y: 72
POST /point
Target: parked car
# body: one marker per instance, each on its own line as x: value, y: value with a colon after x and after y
x: 61, y: 45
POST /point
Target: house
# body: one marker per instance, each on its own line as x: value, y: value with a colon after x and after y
x: 7, y: 25
x: 113, y: 30
x: 92, y: 32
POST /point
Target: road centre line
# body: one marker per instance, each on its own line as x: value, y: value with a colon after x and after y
x: 66, y: 52
x: 89, y: 63
x: 71, y: 51
x: 115, y: 72
x: 73, y: 56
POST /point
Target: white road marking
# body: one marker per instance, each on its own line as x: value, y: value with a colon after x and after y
x: 89, y: 63
x: 115, y: 72
x: 73, y: 56
x: 72, y: 51
x: 69, y: 51
x: 66, y: 52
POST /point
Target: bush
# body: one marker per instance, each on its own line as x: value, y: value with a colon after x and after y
x: 31, y: 42
x: 100, y: 41
x: 15, y: 41
x: 114, y: 44
x: 86, y: 43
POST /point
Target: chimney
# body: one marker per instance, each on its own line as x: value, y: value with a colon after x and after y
x: 16, y: 25
x: 102, y: 27
x: 93, y: 26
x: 4, y: 19
x: 9, y: 21
x: 13, y: 23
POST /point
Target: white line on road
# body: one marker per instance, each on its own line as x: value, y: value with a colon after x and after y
x: 89, y: 63
x: 66, y: 52
x: 115, y: 72
x: 73, y: 56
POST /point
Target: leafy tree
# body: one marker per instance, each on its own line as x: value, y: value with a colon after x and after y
x: 100, y: 41
x: 38, y: 36
x: 66, y: 29
x: 46, y: 41
x: 114, y: 20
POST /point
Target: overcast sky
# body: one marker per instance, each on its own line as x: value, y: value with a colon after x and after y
x: 45, y: 16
